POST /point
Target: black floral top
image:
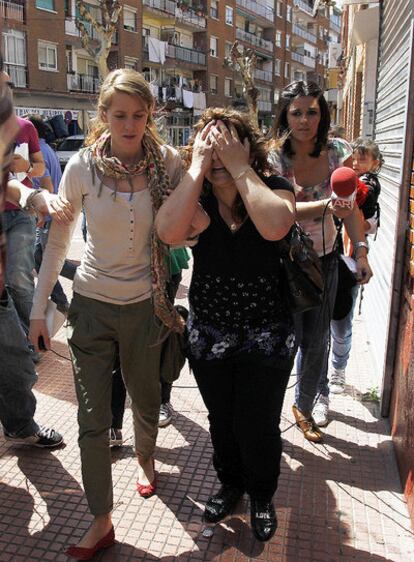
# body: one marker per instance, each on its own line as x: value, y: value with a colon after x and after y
x: 235, y: 303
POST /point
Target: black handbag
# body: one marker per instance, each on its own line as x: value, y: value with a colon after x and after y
x: 302, y: 270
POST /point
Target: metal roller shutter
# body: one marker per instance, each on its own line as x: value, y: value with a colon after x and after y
x: 390, y: 131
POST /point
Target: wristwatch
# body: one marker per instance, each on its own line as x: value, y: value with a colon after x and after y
x: 361, y: 245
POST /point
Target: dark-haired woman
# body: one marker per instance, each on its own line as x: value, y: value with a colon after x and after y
x: 307, y: 159
x: 240, y: 333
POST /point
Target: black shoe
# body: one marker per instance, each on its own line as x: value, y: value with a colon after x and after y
x: 45, y: 437
x: 263, y: 519
x: 222, y: 503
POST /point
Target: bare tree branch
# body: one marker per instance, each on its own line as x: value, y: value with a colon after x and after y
x: 105, y: 30
x: 244, y: 62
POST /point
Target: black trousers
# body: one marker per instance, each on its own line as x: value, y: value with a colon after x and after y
x: 244, y: 399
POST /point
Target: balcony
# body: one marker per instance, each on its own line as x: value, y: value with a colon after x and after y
x: 254, y: 40
x: 299, y: 30
x: 166, y: 6
x: 190, y: 17
x: 265, y: 11
x: 82, y: 83
x: 184, y: 54
x: 71, y: 29
x: 265, y: 75
x: 265, y: 106
x: 297, y: 57
x: 11, y: 10
x: 17, y: 73
x: 304, y: 6
x: 303, y: 59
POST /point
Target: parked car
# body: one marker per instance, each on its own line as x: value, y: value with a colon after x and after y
x: 68, y: 147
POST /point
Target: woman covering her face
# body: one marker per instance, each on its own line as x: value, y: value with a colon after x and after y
x: 120, y: 303
x: 240, y: 334
x: 307, y: 158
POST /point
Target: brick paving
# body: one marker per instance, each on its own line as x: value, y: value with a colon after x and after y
x: 339, y: 501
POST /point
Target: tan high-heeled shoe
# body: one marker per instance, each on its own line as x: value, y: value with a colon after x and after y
x: 308, y: 426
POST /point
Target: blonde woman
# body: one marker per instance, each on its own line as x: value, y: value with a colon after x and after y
x: 119, y: 289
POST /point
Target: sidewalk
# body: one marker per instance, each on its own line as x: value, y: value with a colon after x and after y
x: 340, y: 501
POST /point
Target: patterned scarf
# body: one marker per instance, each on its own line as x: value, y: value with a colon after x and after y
x: 158, y: 184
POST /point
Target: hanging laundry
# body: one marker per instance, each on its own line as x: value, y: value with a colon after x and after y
x: 188, y: 99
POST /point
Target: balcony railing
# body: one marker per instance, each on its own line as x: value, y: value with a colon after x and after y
x: 265, y: 11
x: 263, y: 74
x: 254, y: 40
x: 82, y: 83
x: 298, y: 30
x: 264, y: 106
x: 191, y: 17
x: 179, y: 53
x: 303, y: 6
x: 167, y: 6
x: 189, y: 55
x: 11, y: 10
x: 17, y: 73
x: 71, y: 29
x: 297, y: 57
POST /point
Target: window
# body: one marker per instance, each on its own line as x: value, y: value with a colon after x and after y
x: 287, y: 70
x: 213, y: 83
x: 227, y: 49
x: 130, y: 19
x: 229, y: 15
x: 276, y: 96
x: 279, y: 9
x: 227, y: 87
x: 213, y: 46
x: 131, y: 62
x: 287, y: 41
x: 15, y: 56
x: 214, y: 9
x: 277, y: 67
x: 47, y: 55
x: 278, y: 39
x: 289, y: 13
x: 46, y: 5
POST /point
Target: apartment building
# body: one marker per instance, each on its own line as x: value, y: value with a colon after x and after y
x: 181, y: 46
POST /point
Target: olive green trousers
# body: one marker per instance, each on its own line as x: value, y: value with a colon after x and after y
x: 95, y: 331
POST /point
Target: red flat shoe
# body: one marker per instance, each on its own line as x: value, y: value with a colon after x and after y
x: 147, y: 490
x: 81, y: 553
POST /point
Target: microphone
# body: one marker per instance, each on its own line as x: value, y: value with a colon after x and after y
x: 344, y: 188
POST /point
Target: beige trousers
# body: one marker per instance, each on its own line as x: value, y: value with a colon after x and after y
x: 95, y: 330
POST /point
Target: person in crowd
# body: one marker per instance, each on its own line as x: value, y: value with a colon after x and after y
x: 50, y: 181
x: 240, y: 335
x: 17, y: 373
x: 307, y: 158
x: 120, y: 301
x: 337, y: 132
x: 20, y: 227
x: 367, y: 162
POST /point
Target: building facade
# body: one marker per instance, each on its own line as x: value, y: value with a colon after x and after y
x: 182, y: 47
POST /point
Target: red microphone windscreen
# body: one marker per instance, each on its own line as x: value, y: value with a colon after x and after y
x: 343, y: 181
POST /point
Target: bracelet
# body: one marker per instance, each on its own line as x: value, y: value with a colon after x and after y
x: 239, y: 176
x: 361, y: 245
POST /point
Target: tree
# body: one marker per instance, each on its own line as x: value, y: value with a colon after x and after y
x: 244, y: 61
x: 105, y: 30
